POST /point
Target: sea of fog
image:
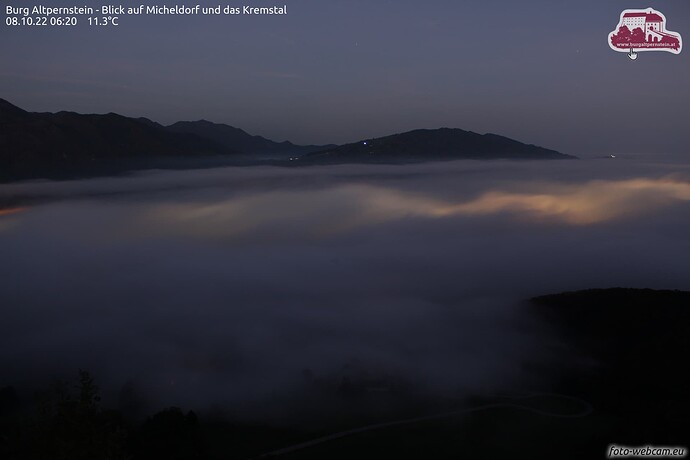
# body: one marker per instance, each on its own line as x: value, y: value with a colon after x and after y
x: 255, y: 289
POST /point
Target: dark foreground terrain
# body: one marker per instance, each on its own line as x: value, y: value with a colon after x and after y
x: 622, y: 380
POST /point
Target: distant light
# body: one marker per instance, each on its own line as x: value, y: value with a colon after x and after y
x: 365, y: 142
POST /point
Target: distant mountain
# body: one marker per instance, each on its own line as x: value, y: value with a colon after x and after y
x: 11, y: 114
x: 68, y: 144
x: 33, y: 143
x: 432, y: 144
x: 241, y: 141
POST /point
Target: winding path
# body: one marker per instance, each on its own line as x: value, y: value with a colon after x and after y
x: 586, y: 410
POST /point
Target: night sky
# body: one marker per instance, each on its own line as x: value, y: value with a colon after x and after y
x: 338, y: 71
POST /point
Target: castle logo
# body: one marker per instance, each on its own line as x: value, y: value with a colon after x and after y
x: 644, y: 30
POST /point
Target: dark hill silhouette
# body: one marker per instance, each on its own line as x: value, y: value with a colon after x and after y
x: 432, y: 144
x: 629, y: 346
x: 241, y: 141
x: 35, y: 143
x: 11, y: 114
x: 69, y: 145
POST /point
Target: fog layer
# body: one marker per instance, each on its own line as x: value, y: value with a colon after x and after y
x: 244, y: 286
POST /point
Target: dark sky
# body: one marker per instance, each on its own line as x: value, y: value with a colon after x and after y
x: 339, y: 71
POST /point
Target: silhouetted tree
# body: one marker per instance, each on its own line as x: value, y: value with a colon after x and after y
x: 72, y: 428
x: 169, y: 435
x: 130, y: 403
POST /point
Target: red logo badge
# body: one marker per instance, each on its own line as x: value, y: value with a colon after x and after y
x: 644, y: 30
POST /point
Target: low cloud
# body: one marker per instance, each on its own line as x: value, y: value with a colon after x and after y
x: 243, y: 286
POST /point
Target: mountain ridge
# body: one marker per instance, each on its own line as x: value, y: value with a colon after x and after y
x: 239, y: 139
x: 35, y: 142
x: 436, y: 144
x: 69, y: 144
